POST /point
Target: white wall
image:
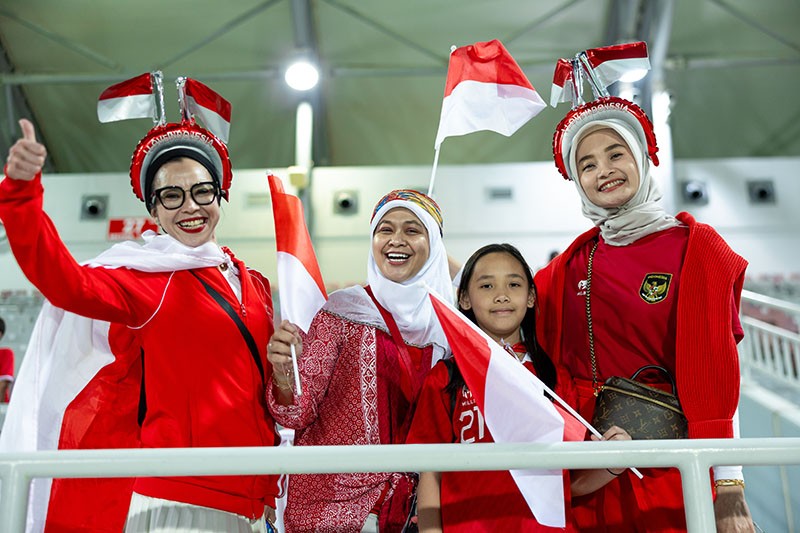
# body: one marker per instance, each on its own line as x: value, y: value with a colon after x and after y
x: 541, y: 213
x: 767, y: 235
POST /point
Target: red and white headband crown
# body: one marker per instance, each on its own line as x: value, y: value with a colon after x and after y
x: 601, y: 67
x: 143, y: 97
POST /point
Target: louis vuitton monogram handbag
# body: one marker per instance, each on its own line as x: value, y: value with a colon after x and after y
x: 644, y: 412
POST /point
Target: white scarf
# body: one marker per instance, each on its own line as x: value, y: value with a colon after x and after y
x: 642, y: 214
x: 408, y: 302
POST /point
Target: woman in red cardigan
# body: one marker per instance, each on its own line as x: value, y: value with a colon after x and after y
x: 664, y: 291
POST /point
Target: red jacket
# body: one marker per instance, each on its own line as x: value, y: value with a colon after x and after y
x: 202, y: 385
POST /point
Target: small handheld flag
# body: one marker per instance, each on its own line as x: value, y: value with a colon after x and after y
x: 302, y: 289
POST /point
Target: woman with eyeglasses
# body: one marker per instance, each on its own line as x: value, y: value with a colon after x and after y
x: 186, y: 325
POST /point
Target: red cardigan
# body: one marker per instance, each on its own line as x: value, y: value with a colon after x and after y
x: 707, y: 362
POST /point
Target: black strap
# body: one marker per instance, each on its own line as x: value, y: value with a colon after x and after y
x: 248, y: 337
x: 450, y: 364
x: 142, y: 397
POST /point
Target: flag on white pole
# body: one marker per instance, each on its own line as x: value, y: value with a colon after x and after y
x: 131, y: 98
x: 513, y: 405
x: 213, y: 109
x: 301, y: 287
x: 610, y: 63
x: 563, y: 89
x: 485, y: 90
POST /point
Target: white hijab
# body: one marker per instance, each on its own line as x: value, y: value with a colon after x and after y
x: 642, y: 214
x: 408, y: 302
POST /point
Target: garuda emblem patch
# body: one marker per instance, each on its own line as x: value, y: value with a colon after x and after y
x: 655, y: 287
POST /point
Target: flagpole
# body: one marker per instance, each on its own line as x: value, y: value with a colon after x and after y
x: 580, y: 419
x: 433, y: 171
x: 296, y: 372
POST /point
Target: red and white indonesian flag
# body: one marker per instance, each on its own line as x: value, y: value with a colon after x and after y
x: 131, y: 98
x: 610, y: 63
x: 213, y: 109
x: 301, y: 288
x: 485, y: 90
x: 563, y: 89
x: 513, y: 405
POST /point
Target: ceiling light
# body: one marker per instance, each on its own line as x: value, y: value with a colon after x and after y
x: 633, y: 75
x: 302, y: 76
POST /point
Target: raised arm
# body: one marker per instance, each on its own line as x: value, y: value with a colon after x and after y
x: 42, y: 256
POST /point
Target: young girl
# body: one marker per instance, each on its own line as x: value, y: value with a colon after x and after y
x: 497, y: 293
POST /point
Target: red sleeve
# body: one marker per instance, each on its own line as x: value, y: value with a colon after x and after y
x: 433, y: 422
x: 6, y: 364
x: 707, y: 361
x: 736, y: 323
x: 43, y: 257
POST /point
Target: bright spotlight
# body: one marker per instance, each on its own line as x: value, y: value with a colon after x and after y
x: 633, y: 75
x: 302, y: 76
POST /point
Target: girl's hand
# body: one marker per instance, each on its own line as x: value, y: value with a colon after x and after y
x: 615, y: 433
x: 26, y: 157
x: 279, y: 352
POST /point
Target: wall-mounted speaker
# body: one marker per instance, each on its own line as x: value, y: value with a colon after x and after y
x: 94, y: 207
x: 761, y: 191
x: 694, y: 192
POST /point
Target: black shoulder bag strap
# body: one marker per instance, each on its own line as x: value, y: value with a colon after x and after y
x: 248, y: 337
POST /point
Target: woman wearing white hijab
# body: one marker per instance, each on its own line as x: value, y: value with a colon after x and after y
x: 361, y: 366
x: 664, y: 291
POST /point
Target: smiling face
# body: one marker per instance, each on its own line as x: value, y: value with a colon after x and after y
x: 606, y: 169
x: 400, y: 245
x: 499, y: 295
x: 190, y: 224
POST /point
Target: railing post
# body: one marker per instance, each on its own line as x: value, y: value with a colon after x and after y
x: 13, y: 498
x: 697, y: 495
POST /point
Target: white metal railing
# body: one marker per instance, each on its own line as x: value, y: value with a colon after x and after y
x: 769, y: 349
x: 692, y: 457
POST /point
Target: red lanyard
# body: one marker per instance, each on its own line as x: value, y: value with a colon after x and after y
x: 406, y: 382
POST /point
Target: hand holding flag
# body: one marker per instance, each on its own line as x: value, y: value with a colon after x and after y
x: 302, y: 289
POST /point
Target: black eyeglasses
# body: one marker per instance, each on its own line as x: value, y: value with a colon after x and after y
x: 173, y: 197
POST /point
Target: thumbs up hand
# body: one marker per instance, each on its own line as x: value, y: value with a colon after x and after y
x: 26, y: 157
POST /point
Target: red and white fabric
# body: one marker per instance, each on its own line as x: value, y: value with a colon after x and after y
x: 302, y: 289
x: 213, y: 109
x: 485, y: 90
x: 610, y: 63
x: 131, y: 98
x: 502, y: 506
x: 513, y: 405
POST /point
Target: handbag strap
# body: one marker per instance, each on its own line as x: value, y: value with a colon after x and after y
x: 228, y: 308
x: 592, y: 356
x: 660, y: 369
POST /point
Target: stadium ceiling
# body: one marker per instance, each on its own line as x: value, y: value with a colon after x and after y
x: 731, y: 67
